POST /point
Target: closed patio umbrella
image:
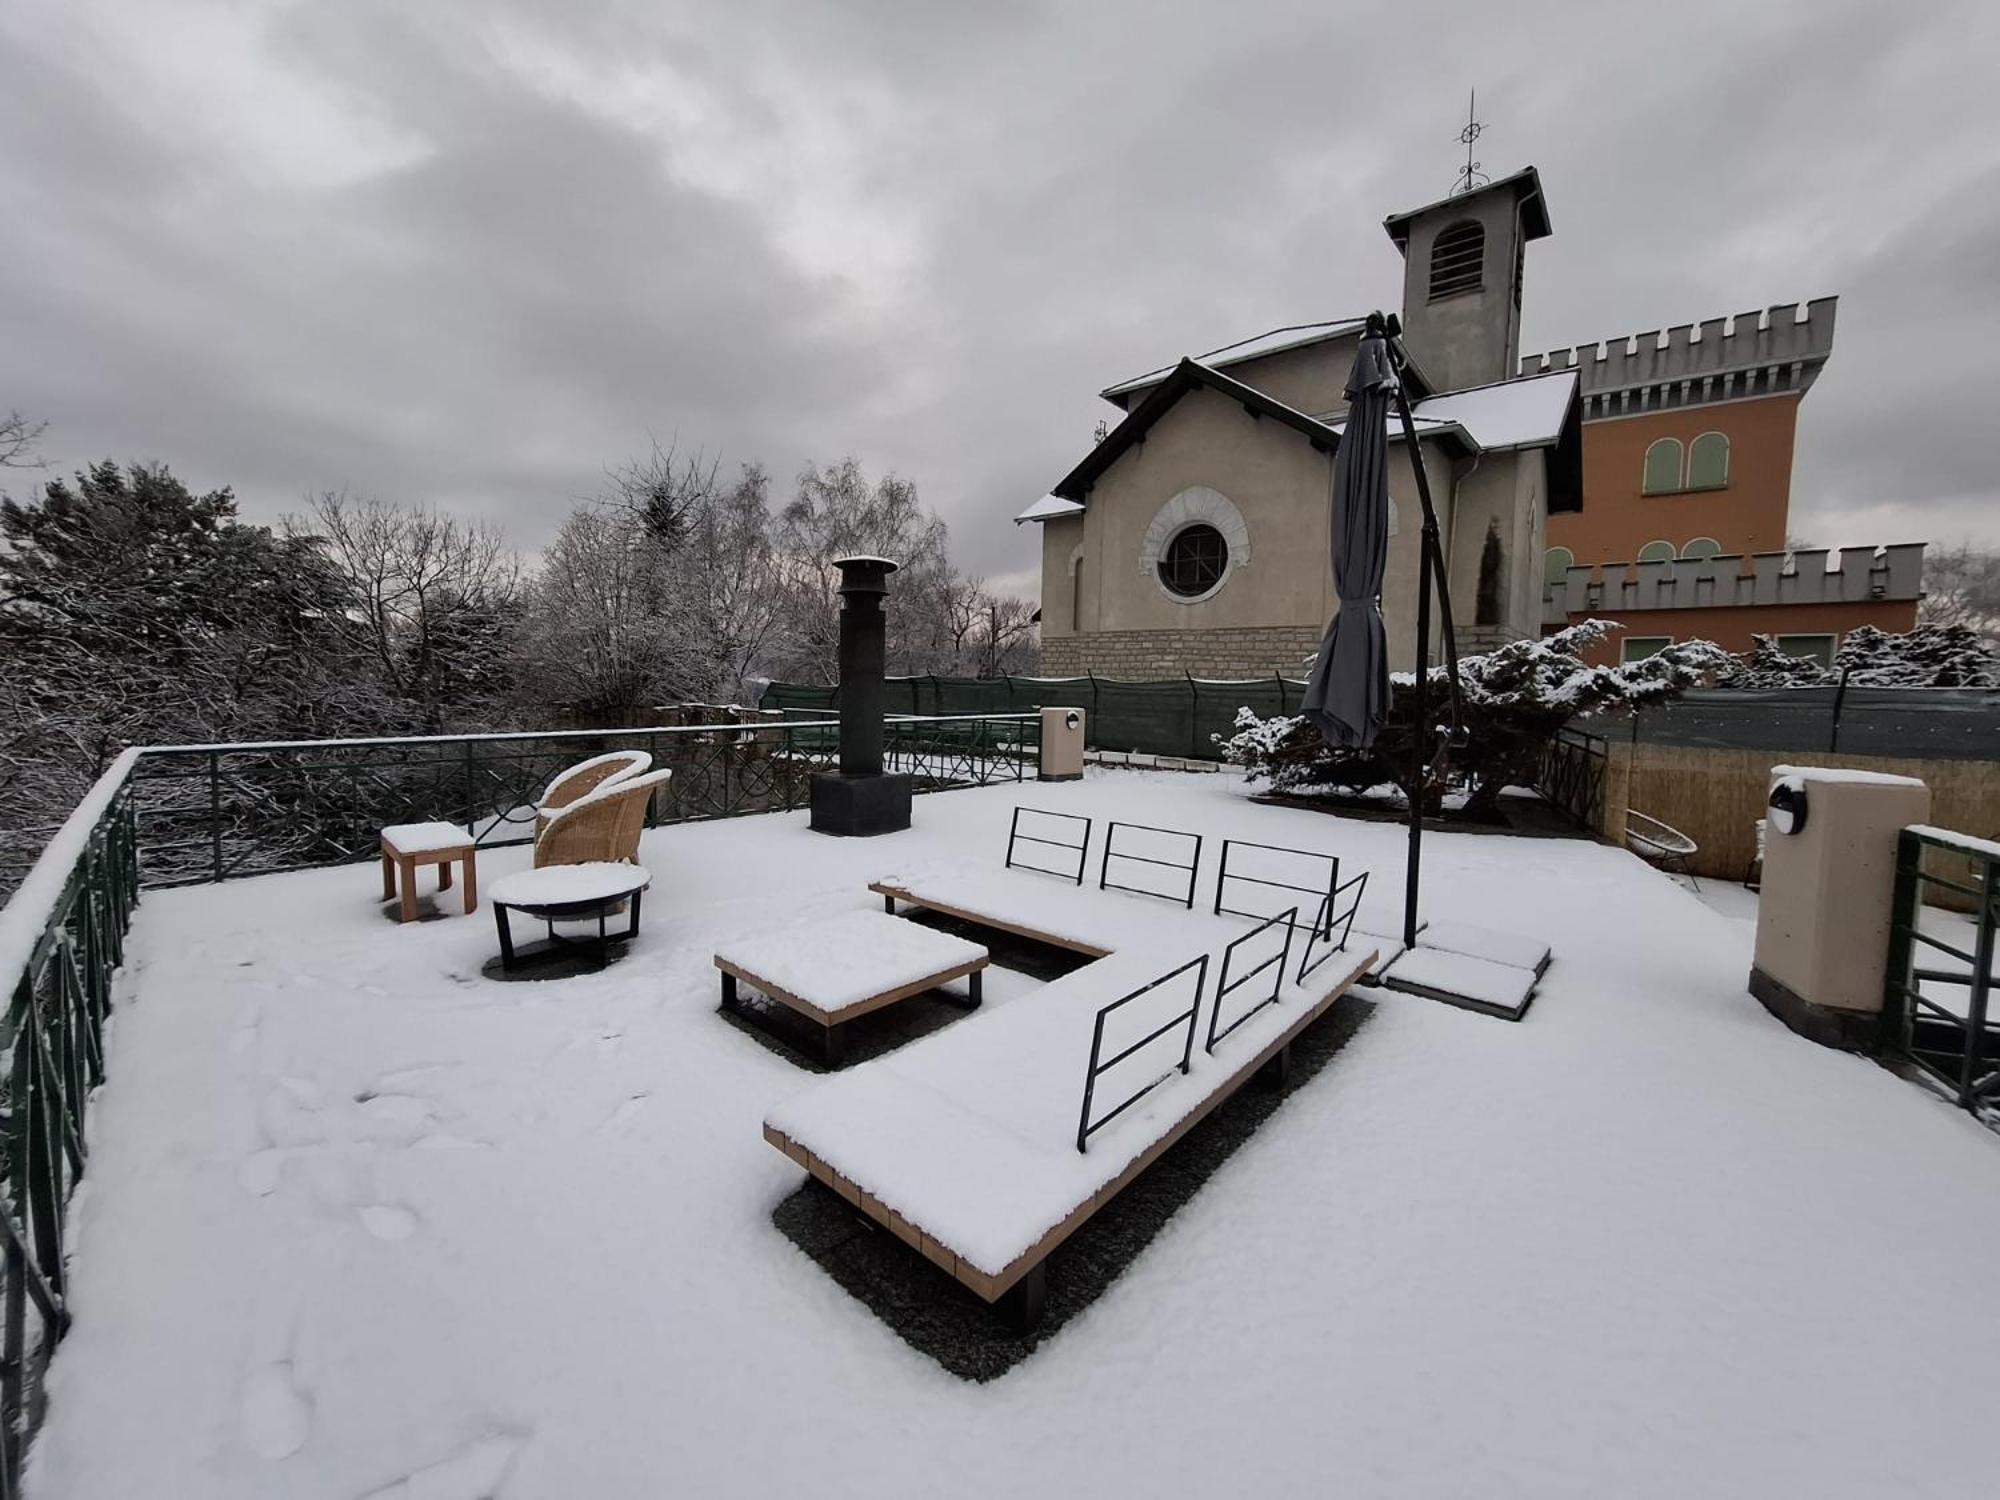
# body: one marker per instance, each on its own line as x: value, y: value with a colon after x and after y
x: 1347, y: 696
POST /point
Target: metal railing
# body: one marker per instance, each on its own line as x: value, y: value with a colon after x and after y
x: 1225, y: 986
x: 61, y: 940
x: 1099, y: 1065
x: 1572, y: 776
x: 1941, y: 1019
x: 191, y: 814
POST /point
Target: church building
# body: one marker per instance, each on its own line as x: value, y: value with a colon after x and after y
x: 1194, y: 538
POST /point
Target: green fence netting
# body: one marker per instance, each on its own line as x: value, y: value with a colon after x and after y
x: 1174, y: 716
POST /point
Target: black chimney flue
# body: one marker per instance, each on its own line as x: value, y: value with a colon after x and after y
x: 861, y: 799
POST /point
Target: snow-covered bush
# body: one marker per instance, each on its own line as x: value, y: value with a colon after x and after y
x: 1929, y: 656
x: 1513, y: 701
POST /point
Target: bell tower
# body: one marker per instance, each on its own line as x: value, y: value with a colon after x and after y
x: 1462, y: 262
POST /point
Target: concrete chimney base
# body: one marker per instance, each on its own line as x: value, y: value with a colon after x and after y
x: 860, y: 806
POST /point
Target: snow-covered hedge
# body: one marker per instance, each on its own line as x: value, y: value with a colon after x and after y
x: 1929, y: 656
x: 1513, y: 701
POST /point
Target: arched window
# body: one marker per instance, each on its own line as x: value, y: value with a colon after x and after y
x: 1702, y: 548
x: 1663, y: 467
x: 1657, y: 552
x: 1076, y: 592
x: 1708, y: 462
x: 1457, y: 259
x: 1556, y: 563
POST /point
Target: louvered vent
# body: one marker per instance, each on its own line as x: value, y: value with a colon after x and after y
x: 1456, y: 258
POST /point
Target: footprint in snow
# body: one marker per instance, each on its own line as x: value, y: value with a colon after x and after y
x: 258, y: 1175
x: 389, y: 1221
x: 275, y: 1415
x: 474, y: 1472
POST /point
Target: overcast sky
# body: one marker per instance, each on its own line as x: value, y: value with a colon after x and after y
x: 472, y: 253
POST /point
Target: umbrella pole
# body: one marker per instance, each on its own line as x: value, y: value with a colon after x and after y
x: 1430, y: 562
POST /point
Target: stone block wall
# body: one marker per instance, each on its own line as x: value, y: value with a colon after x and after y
x: 1149, y: 654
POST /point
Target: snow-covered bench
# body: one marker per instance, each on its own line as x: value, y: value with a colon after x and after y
x: 970, y: 1145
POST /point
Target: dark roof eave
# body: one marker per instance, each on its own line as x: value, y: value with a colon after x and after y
x: 1528, y: 190
x: 1185, y: 376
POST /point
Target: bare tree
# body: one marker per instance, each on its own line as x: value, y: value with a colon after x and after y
x: 1962, y: 587
x: 17, y: 441
x: 426, y: 593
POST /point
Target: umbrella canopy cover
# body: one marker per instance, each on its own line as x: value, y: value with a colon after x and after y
x: 1347, y: 697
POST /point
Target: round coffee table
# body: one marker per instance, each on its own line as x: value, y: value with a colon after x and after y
x: 567, y: 893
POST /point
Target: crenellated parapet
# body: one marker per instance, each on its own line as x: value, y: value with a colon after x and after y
x: 1779, y: 349
x: 1859, y: 575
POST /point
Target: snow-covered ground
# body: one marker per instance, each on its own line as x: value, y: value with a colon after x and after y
x: 361, y: 1221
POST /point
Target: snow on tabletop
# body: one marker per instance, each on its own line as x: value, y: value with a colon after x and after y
x: 553, y: 885
x: 971, y: 1133
x: 1797, y: 775
x: 1554, y: 1250
x: 1480, y: 979
x: 424, y: 838
x: 840, y: 962
x: 1970, y: 844
x: 1516, y: 949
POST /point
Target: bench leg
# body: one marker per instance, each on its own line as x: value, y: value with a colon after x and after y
x: 444, y: 874
x: 889, y: 905
x: 978, y: 988
x: 406, y: 875
x: 1022, y: 1304
x: 728, y: 990
x: 833, y: 1046
x: 471, y: 883
x: 388, y: 876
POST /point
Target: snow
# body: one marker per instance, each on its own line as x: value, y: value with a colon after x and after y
x: 844, y: 961
x: 635, y: 761
x: 26, y: 914
x: 1527, y: 413
x: 425, y: 838
x: 1246, y: 349
x: 1798, y: 776
x: 971, y: 1133
x: 1627, y: 1247
x: 1511, y: 948
x: 1049, y: 508
x: 1504, y: 986
x: 554, y: 885
x: 1989, y: 848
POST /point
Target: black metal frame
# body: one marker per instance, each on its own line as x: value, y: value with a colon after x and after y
x: 1323, y: 895
x: 550, y: 913
x: 1193, y: 866
x: 1082, y: 850
x: 1323, y: 925
x: 1085, y: 1126
x: 1918, y: 1028
x: 1223, y: 984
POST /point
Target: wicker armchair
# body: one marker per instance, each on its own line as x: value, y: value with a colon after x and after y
x: 586, y: 776
x: 602, y: 825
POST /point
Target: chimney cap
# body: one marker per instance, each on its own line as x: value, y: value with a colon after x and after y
x: 864, y: 574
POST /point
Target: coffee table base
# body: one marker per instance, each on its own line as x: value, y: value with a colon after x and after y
x: 556, y: 945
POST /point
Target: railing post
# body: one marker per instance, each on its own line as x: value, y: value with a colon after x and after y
x: 1970, y: 1075
x: 215, y: 810
x: 471, y: 813
x: 1839, y: 696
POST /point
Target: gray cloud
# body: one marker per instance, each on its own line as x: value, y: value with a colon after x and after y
x: 475, y: 252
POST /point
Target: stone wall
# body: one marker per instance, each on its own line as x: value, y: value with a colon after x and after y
x: 1145, y: 654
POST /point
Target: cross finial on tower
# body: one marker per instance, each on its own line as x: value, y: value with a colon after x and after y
x: 1469, y: 176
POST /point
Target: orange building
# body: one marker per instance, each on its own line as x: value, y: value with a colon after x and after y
x: 1687, y: 477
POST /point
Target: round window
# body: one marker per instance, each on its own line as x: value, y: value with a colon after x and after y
x: 1194, y: 561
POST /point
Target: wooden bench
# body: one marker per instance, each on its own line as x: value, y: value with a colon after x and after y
x: 968, y: 1145
x: 851, y: 965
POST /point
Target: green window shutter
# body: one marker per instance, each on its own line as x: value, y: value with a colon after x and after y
x: 1556, y: 563
x: 1708, y: 462
x: 1663, y: 467
x: 1657, y: 552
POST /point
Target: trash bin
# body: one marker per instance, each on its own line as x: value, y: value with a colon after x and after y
x: 1062, y: 745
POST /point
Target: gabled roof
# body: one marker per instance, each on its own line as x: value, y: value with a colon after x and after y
x: 1525, y: 413
x: 1184, y: 377
x: 1526, y: 184
x: 1297, y: 336
x: 1049, y: 508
